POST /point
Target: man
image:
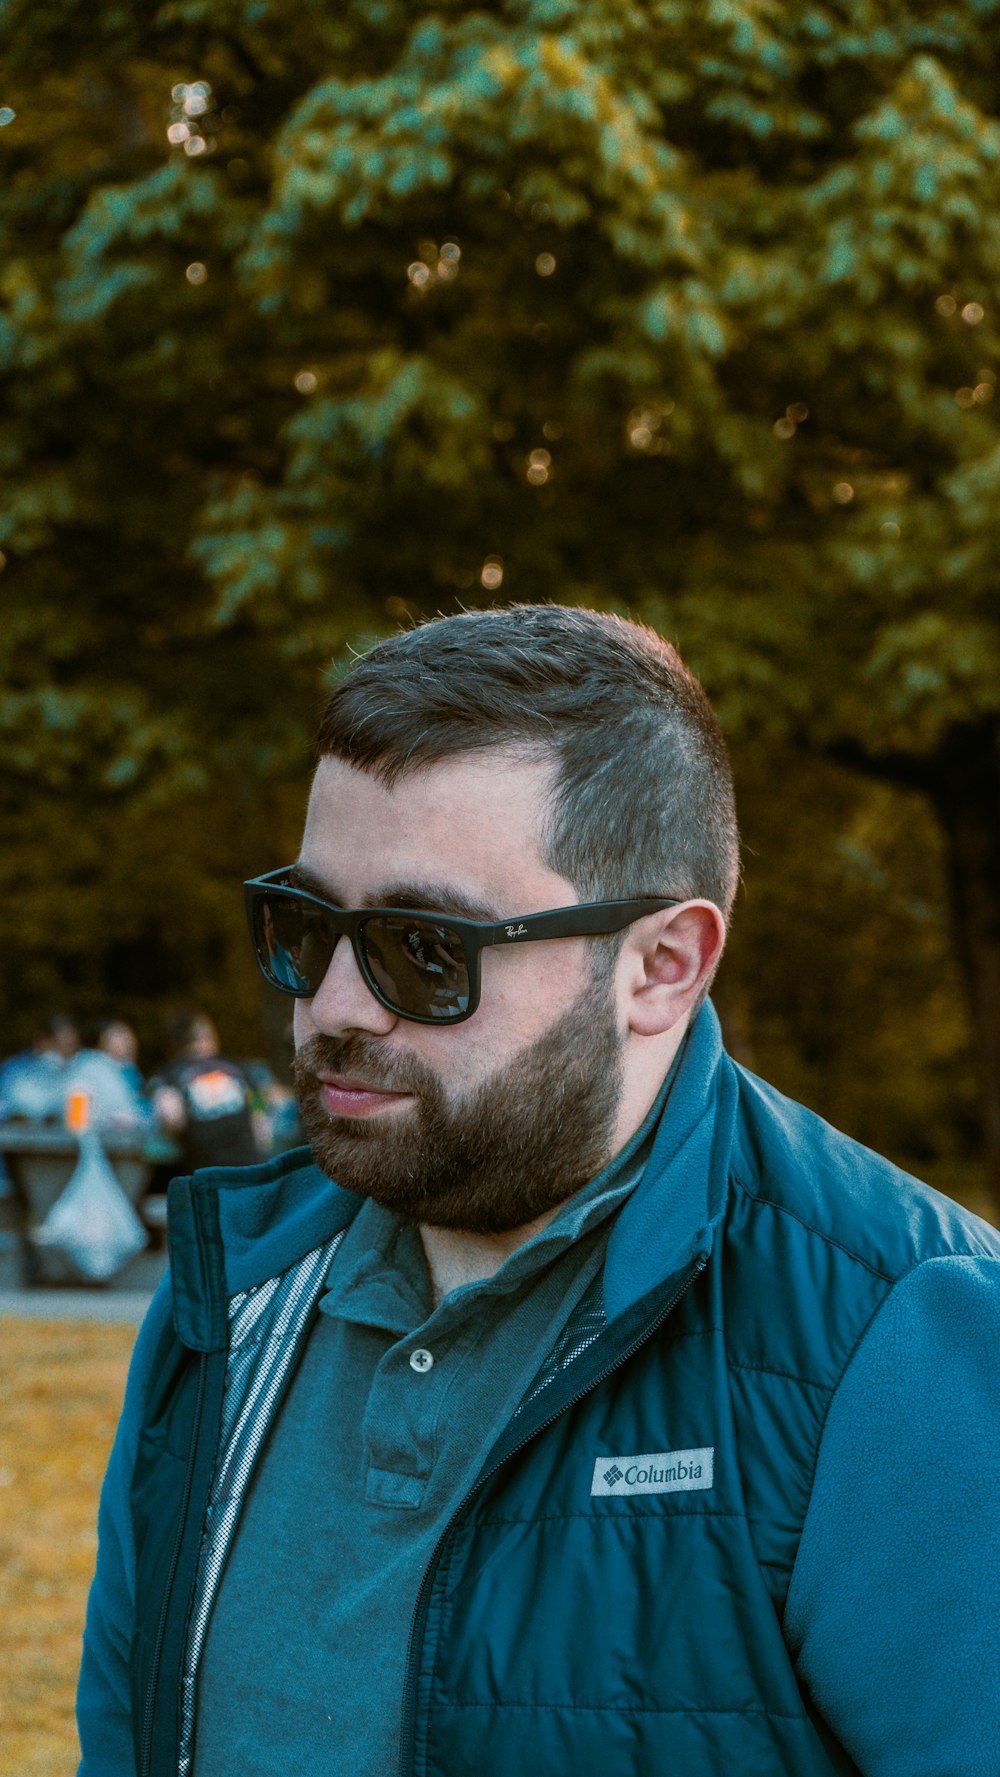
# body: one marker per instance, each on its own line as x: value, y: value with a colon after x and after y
x: 610, y: 1413
x: 33, y: 1083
x: 118, y: 1040
x: 202, y: 1099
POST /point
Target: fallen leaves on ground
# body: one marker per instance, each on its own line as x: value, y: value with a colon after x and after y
x: 62, y: 1388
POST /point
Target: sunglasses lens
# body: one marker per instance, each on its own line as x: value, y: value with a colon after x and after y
x: 294, y: 942
x: 418, y: 965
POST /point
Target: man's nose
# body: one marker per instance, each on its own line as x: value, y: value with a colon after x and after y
x: 344, y: 1001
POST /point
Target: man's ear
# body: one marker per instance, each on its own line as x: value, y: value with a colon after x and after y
x: 669, y: 959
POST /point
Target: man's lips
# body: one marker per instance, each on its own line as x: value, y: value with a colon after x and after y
x: 344, y: 1096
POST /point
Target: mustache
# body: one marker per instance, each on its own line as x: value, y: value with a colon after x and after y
x: 364, y: 1056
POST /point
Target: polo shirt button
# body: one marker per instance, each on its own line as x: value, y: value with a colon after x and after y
x: 421, y: 1360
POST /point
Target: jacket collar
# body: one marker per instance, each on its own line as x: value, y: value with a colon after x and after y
x: 669, y: 1222
x: 231, y: 1229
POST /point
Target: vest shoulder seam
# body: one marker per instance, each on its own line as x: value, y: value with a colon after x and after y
x: 888, y: 1277
x: 894, y: 1284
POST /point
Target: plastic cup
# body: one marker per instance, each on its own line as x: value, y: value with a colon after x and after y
x: 78, y: 1111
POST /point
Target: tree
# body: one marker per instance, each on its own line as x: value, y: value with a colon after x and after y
x: 682, y: 309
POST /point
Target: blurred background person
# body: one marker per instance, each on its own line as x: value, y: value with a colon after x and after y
x: 118, y: 1040
x: 33, y: 1084
x: 114, y: 1089
x: 202, y: 1099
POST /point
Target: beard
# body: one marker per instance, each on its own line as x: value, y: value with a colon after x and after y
x: 514, y: 1147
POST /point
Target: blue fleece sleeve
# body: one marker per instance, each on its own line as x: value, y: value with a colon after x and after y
x: 893, y: 1613
x: 103, y: 1711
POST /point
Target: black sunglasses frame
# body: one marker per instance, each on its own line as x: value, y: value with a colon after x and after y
x: 589, y: 919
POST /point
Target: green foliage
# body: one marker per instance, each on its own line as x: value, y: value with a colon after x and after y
x: 682, y: 309
x: 840, y: 982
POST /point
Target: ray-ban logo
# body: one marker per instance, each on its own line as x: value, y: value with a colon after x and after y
x: 661, y: 1471
x: 515, y: 931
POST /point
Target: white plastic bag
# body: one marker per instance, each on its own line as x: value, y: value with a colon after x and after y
x: 92, y: 1225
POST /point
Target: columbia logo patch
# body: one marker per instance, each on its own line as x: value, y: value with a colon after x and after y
x: 661, y: 1471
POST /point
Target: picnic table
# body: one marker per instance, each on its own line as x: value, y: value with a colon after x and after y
x: 41, y: 1158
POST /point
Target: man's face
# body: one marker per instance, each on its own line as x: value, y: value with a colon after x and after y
x: 204, y: 1041
x: 65, y: 1039
x: 490, y: 1123
x: 119, y: 1041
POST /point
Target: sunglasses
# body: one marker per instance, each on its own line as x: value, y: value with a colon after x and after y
x: 422, y: 966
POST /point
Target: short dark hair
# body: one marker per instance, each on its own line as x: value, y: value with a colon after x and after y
x: 643, y: 798
x: 180, y: 1027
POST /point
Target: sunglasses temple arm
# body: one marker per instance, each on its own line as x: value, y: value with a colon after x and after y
x: 578, y: 922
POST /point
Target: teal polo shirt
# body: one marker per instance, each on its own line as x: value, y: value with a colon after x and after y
x: 386, y: 1426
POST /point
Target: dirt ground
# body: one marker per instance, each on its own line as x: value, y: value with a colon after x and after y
x: 61, y: 1387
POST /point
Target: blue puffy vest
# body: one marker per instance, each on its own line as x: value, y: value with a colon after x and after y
x: 609, y: 1599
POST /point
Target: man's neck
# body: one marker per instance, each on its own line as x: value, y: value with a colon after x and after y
x: 455, y: 1256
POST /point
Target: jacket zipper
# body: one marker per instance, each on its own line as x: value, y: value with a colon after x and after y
x: 263, y: 1421
x: 409, y: 1686
x: 147, y: 1726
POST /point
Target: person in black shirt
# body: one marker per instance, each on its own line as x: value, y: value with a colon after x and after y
x: 202, y: 1099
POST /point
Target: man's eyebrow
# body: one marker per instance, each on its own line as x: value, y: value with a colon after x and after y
x: 300, y: 876
x: 423, y: 897
x: 430, y: 897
